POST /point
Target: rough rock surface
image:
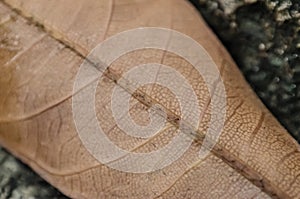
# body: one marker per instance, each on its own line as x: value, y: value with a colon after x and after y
x: 262, y: 36
x: 264, y: 39
x: 17, y: 181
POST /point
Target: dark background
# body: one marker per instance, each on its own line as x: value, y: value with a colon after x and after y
x: 263, y: 37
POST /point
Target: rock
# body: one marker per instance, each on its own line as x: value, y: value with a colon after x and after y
x: 17, y: 181
x: 263, y: 38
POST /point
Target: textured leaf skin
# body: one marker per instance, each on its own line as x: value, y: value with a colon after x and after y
x: 254, y: 157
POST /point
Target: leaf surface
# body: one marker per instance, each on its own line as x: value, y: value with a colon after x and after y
x: 43, y: 44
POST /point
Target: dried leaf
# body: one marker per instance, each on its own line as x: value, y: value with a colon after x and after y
x: 42, y: 47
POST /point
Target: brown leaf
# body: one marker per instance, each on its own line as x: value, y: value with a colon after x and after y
x: 42, y: 47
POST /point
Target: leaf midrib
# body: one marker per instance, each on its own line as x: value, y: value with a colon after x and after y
x: 234, y: 162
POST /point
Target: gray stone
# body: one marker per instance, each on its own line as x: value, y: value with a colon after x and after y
x: 263, y: 38
x: 17, y: 181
